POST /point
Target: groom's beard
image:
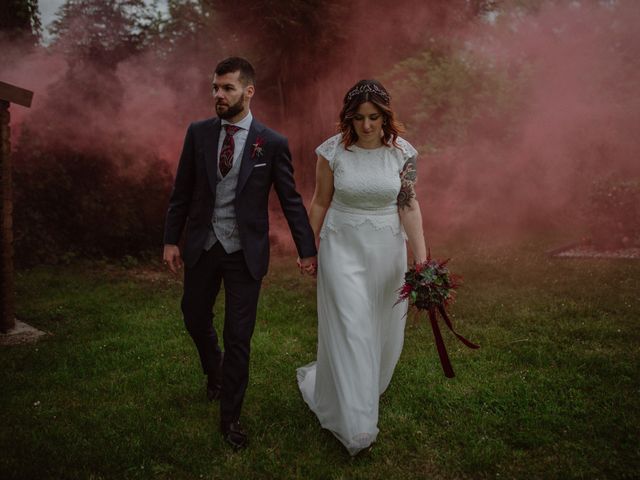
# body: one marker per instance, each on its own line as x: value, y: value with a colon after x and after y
x: 226, y: 112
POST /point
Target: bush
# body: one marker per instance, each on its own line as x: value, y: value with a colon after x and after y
x: 446, y: 91
x: 71, y: 203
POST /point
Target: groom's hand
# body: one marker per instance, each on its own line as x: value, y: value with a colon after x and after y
x: 171, y: 257
x: 308, y: 265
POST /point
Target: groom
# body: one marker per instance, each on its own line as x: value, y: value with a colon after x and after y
x: 221, y: 193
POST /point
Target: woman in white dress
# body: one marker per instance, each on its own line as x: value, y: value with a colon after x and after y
x: 363, y: 209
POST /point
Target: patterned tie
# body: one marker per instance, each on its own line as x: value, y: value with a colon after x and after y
x: 226, y: 154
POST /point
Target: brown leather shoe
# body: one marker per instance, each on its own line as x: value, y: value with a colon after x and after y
x: 234, y: 434
x: 214, y: 381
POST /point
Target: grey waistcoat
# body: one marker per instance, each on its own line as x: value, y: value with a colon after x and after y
x: 224, y: 228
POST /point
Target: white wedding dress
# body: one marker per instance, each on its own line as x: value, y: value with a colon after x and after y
x: 361, y: 263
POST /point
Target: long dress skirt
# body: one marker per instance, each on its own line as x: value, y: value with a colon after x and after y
x: 360, y: 330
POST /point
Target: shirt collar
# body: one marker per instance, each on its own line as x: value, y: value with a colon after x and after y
x: 245, y: 123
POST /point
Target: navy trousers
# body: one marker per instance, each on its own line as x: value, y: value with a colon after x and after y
x: 201, y: 286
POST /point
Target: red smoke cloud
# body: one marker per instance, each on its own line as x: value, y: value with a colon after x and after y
x: 576, y: 113
x: 577, y: 119
x: 33, y: 69
x: 145, y: 107
x: 575, y: 123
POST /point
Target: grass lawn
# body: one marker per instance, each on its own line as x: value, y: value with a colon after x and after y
x: 115, y: 391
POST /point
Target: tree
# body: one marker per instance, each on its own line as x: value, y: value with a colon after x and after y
x: 92, y: 161
x: 287, y: 41
x: 20, y: 21
x: 101, y: 32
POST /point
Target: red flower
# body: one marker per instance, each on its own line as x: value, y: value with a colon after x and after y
x: 257, y: 148
x: 406, y: 290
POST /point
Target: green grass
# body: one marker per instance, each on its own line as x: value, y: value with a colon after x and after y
x: 115, y: 391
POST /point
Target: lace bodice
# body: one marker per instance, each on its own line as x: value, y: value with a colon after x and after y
x: 366, y: 183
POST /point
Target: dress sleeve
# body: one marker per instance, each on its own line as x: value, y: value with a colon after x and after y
x: 329, y: 148
x: 408, y: 152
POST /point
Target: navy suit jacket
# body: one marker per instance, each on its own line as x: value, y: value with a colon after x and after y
x: 194, y: 192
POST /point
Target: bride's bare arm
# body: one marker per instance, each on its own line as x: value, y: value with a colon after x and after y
x: 321, y: 196
x: 410, y: 214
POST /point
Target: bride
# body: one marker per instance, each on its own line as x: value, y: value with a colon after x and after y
x: 363, y: 209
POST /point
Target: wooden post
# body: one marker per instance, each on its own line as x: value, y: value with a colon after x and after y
x: 8, y: 93
x: 7, y: 310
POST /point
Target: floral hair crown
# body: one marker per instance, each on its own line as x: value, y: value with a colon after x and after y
x: 368, y: 88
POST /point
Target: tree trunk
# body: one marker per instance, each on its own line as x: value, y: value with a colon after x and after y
x: 7, y: 306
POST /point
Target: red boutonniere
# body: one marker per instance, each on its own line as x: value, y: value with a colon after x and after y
x: 258, y: 150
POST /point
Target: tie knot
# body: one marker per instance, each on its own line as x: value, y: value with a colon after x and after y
x: 231, y: 129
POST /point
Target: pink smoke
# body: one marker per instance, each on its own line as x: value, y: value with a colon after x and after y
x: 577, y: 118
x: 576, y: 121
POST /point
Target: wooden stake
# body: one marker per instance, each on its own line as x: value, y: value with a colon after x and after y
x: 7, y: 295
x: 20, y: 96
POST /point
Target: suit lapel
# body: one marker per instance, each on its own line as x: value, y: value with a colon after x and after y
x: 248, y: 159
x: 210, y: 146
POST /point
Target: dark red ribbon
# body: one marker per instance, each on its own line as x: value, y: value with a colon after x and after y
x: 442, y: 349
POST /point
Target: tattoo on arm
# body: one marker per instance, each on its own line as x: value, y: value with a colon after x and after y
x: 408, y: 177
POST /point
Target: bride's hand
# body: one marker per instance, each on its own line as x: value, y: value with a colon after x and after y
x: 308, y: 265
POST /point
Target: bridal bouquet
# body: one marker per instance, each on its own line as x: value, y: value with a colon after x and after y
x: 431, y: 287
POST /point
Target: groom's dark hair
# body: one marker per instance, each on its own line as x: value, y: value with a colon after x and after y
x: 235, y: 64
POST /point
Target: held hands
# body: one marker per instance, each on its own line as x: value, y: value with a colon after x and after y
x: 171, y: 257
x: 308, y: 265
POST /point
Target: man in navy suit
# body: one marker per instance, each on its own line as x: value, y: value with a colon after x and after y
x: 221, y: 194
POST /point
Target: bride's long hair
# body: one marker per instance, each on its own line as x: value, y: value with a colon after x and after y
x: 368, y: 91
